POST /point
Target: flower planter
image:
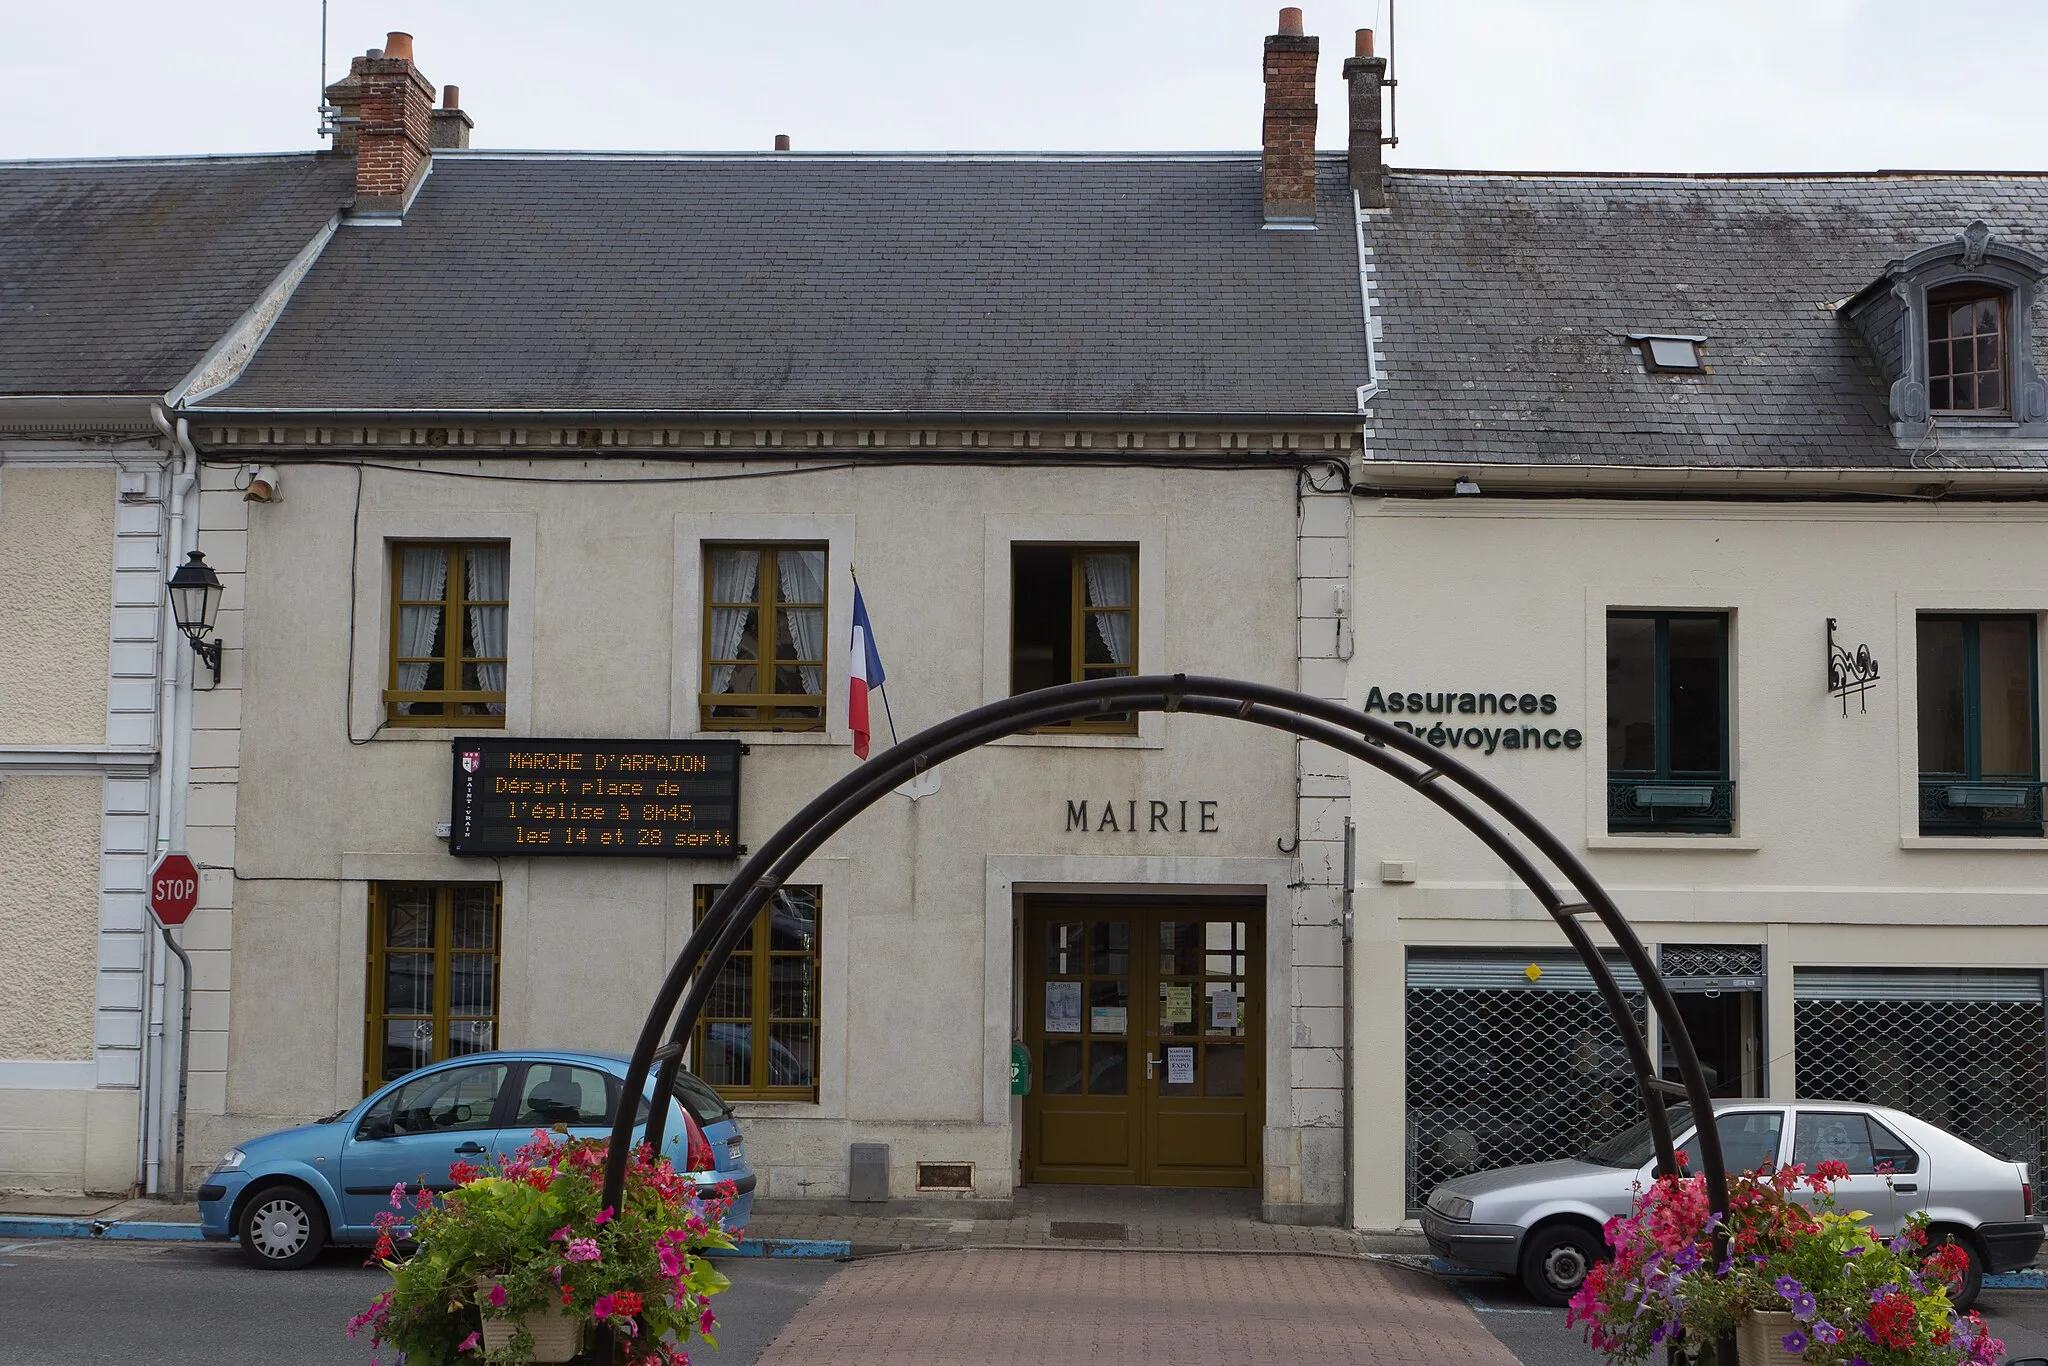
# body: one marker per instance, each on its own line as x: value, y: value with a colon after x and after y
x: 1759, y: 1341
x: 556, y: 1336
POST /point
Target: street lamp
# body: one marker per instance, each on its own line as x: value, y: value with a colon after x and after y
x: 195, y: 598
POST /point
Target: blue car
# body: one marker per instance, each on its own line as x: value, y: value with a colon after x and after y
x: 289, y: 1194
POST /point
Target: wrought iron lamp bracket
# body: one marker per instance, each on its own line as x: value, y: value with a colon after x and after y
x: 1850, y: 675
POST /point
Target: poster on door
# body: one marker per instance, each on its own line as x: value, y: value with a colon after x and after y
x: 1180, y: 1066
x: 1177, y: 1004
x: 1223, y: 1008
x: 1063, y: 1007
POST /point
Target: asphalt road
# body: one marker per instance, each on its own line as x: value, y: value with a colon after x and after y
x: 1538, y: 1337
x: 78, y: 1303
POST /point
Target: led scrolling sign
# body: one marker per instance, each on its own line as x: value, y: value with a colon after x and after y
x: 611, y: 798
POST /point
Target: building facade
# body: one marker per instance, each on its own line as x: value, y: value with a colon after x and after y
x: 567, y: 448
x: 121, y: 280
x: 1686, y: 519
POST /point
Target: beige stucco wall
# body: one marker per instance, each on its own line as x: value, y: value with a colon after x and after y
x: 49, y: 915
x: 1826, y: 865
x: 69, y: 1140
x: 56, y: 596
x: 604, y: 629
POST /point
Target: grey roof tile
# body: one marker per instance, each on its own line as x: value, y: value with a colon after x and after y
x: 1505, y: 299
x: 933, y: 284
x: 117, y: 276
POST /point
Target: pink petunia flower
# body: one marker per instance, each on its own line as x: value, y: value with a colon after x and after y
x: 469, y: 1343
x: 497, y: 1297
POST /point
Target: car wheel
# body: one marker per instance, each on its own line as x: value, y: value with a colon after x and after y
x: 1555, y: 1261
x: 282, y: 1228
x: 1973, y: 1275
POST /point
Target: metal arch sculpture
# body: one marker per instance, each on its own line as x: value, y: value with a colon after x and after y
x: 1482, y: 808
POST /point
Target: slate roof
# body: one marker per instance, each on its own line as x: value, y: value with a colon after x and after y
x: 116, y: 277
x: 1504, y: 300
x: 939, y: 284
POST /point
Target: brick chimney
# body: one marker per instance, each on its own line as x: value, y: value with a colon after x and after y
x: 1365, y: 74
x: 450, y: 126
x: 1290, y: 125
x: 385, y: 118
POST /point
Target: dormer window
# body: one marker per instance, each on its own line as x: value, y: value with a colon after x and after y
x: 1966, y: 350
x: 1951, y: 328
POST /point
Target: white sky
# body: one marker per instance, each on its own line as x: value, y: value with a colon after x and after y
x: 1686, y: 85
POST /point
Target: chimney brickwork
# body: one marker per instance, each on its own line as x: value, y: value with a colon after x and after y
x: 1290, y: 125
x: 1366, y: 74
x: 450, y: 126
x: 386, y: 111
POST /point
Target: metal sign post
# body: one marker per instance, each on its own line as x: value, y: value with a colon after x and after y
x: 173, y: 892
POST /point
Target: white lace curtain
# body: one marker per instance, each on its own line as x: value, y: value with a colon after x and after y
x: 423, y: 576
x: 801, y: 578
x: 486, y: 570
x: 1109, y: 585
x: 734, y: 574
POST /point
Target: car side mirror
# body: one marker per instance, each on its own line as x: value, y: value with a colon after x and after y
x: 375, y: 1128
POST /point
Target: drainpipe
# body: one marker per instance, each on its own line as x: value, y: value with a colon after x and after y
x: 170, y: 762
x: 1350, y: 1061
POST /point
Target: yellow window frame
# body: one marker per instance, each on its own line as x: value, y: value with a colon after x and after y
x: 453, y: 601
x: 759, y: 957
x: 1079, y: 669
x: 766, y: 602
x: 443, y: 949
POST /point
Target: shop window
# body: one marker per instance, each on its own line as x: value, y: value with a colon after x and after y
x: 1980, y: 755
x: 764, y: 637
x: 448, y: 634
x: 1667, y: 723
x: 433, y: 989
x: 758, y: 1038
x: 1966, y: 350
x: 1073, y: 618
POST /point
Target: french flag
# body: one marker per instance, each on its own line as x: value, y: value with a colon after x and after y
x: 863, y: 671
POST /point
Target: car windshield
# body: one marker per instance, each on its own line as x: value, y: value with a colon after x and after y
x: 1635, y: 1145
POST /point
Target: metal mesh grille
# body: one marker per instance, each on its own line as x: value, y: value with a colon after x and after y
x: 1711, y: 960
x: 1972, y: 1067
x: 1501, y: 1075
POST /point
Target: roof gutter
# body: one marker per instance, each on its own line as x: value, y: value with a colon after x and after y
x: 818, y: 416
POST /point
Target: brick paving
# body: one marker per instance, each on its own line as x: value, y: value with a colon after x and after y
x: 1182, y: 1220
x: 995, y: 1307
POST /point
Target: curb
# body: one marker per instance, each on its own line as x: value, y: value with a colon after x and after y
x: 832, y: 1249
x: 2032, y: 1278
x: 136, y: 1230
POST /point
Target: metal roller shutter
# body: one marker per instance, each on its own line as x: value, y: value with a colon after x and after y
x: 1503, y: 1068
x: 1965, y: 1049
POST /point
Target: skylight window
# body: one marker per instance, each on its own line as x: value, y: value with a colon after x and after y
x: 1670, y: 351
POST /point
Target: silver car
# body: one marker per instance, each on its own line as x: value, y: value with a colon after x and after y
x: 1542, y: 1222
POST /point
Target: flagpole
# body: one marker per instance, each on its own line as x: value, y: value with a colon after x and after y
x: 884, y: 691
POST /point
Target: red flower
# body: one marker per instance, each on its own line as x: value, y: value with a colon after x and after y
x: 625, y: 1303
x: 1891, y: 1321
x: 568, y: 1293
x: 462, y: 1173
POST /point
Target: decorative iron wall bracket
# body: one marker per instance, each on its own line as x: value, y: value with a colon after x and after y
x: 1850, y: 675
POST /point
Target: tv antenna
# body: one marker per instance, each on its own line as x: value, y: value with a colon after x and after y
x: 329, y: 114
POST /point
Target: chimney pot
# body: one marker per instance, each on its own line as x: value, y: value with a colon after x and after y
x: 375, y: 54
x: 782, y: 142
x: 398, y: 47
x: 1290, y: 22
x: 451, y: 97
x: 1365, y: 42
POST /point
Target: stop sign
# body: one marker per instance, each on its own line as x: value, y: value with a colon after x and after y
x: 173, y: 889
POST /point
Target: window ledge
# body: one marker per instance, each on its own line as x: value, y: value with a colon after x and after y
x: 1051, y: 740
x: 1699, y: 844
x: 777, y: 1109
x: 776, y: 737
x: 439, y: 734
x: 2006, y: 844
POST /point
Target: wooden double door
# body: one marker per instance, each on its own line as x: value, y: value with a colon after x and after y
x: 1144, y: 1022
